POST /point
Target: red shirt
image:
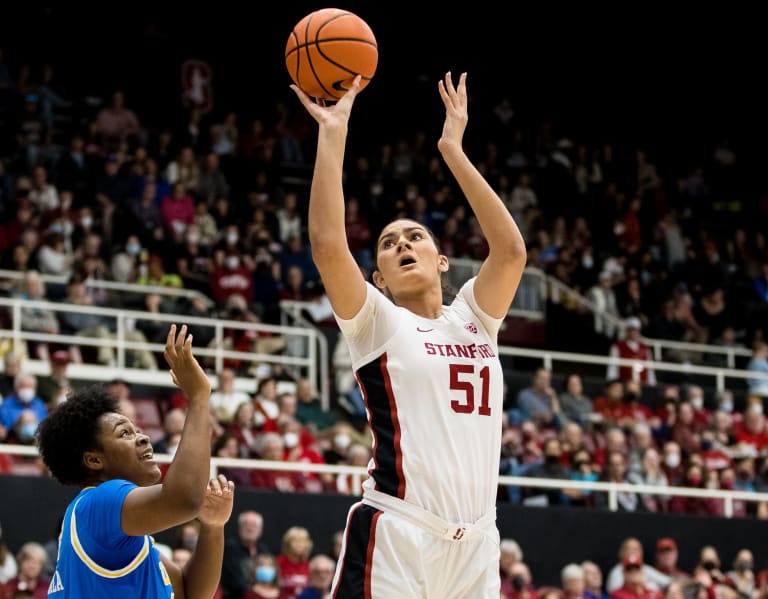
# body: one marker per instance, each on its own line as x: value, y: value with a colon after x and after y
x: 293, y: 577
x: 626, y: 593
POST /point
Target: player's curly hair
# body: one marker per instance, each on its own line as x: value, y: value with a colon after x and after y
x: 71, y: 430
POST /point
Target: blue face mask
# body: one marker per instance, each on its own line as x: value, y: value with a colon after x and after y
x: 265, y: 574
x: 27, y: 431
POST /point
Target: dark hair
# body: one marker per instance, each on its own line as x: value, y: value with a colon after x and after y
x: 71, y: 430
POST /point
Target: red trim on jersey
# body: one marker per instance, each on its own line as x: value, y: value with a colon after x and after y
x: 375, y: 444
x: 369, y: 556
x: 396, y: 426
x: 340, y: 566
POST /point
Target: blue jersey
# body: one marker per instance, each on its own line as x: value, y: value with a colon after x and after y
x: 97, y: 559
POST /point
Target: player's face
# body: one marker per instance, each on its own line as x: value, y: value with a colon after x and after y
x: 126, y: 452
x: 407, y: 258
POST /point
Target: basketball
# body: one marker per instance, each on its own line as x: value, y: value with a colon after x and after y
x: 327, y: 49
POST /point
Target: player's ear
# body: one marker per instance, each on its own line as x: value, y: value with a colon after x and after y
x: 92, y: 460
x: 442, y: 263
x: 378, y: 280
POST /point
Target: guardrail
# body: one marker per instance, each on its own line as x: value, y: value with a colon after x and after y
x: 360, y: 473
x: 312, y: 352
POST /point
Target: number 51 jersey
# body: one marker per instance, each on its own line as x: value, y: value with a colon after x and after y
x: 433, y: 390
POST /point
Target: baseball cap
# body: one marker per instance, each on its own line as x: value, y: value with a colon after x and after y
x: 633, y: 322
x: 60, y: 357
x: 666, y: 543
x: 632, y: 560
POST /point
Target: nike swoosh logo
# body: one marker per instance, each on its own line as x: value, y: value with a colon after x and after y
x: 339, y: 85
x: 420, y: 330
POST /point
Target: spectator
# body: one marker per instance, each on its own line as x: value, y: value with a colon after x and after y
x: 694, y: 478
x: 31, y: 559
x: 576, y: 406
x: 551, y: 467
x: 241, y: 551
x: 265, y: 585
x: 37, y: 319
x: 293, y: 562
x: 8, y: 565
x: 539, y: 402
x: 115, y: 124
x: 616, y: 471
x: 50, y: 387
x: 11, y: 367
x: 243, y: 427
x: 321, y: 570
x: 23, y: 399
x: 573, y: 582
x: 632, y: 550
x: 758, y: 363
x: 309, y: 410
x: 666, y: 559
x: 522, y: 582
x: 593, y: 581
x: 650, y: 473
x: 510, y: 554
x: 632, y: 347
x: 635, y: 585
x: 606, y: 310
x: 225, y: 399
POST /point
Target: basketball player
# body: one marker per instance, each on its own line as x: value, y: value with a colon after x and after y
x: 429, y: 373
x: 105, y: 547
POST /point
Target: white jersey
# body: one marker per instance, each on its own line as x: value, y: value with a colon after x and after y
x: 433, y: 390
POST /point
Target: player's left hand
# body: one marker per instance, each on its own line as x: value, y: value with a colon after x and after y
x: 217, y: 505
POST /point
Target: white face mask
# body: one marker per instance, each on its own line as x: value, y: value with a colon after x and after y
x: 342, y: 440
x: 232, y: 238
x: 756, y: 408
x: 291, y: 440
x: 727, y: 407
x: 697, y: 403
x: 26, y: 394
x: 86, y: 221
x: 672, y: 460
x: 233, y: 262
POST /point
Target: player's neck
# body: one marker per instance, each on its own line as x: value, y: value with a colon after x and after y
x: 425, y: 305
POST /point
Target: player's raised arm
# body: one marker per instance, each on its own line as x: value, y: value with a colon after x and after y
x: 340, y: 274
x: 500, y: 274
x: 148, y: 510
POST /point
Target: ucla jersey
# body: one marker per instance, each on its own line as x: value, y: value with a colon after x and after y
x: 434, y: 391
x: 96, y: 559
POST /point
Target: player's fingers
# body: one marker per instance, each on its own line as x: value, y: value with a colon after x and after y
x: 215, y: 486
x: 180, y: 338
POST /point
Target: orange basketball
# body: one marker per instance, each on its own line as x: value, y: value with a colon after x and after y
x: 327, y: 49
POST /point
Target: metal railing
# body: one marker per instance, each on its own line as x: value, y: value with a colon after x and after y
x: 360, y: 473
x: 125, y: 320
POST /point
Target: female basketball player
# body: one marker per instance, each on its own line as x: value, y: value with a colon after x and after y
x: 105, y: 547
x: 430, y: 375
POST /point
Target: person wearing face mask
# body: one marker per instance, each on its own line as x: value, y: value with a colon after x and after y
x: 551, y: 467
x: 24, y: 431
x: 742, y: 576
x: 295, y: 451
x: 265, y: 585
x: 694, y: 478
x: 753, y: 432
x: 701, y: 415
x: 24, y: 398
x: 230, y: 275
x: 194, y: 261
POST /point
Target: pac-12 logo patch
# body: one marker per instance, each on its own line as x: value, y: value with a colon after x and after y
x: 470, y: 326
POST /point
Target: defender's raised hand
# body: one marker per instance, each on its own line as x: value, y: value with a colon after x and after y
x: 186, y: 371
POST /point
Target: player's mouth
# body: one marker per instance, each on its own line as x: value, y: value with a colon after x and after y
x: 147, y: 456
x: 407, y: 261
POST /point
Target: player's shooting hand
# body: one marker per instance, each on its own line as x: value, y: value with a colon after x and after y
x: 456, y: 115
x: 330, y: 114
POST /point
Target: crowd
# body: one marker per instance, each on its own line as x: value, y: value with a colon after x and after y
x: 219, y: 206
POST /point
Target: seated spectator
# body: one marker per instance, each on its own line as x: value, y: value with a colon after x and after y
x: 616, y: 471
x: 650, y: 473
x: 593, y: 581
x: 551, y: 467
x: 321, y: 571
x: 309, y: 410
x: 582, y: 469
x: 742, y: 576
x: 23, y: 399
x: 632, y: 550
x: 51, y: 386
x: 758, y: 363
x: 266, y: 584
x: 36, y: 319
x: 270, y: 446
x: 228, y: 446
x: 351, y: 484
x: 242, y: 551
x: 666, y: 559
x: 243, y: 427
x: 576, y: 406
x: 293, y: 561
x: 538, y: 402
x: 522, y: 582
x: 265, y: 401
x: 31, y: 559
x: 225, y: 398
x: 694, y: 478
x: 573, y: 583
x: 635, y: 585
